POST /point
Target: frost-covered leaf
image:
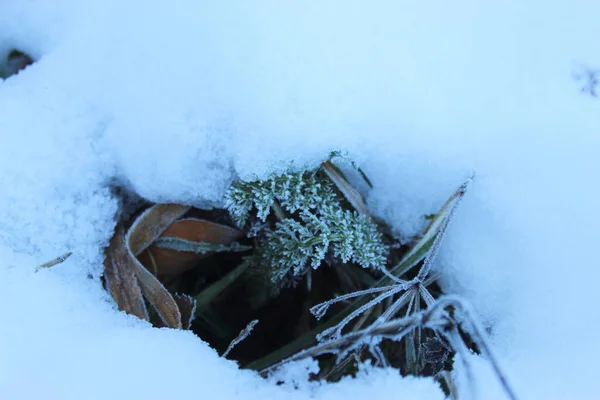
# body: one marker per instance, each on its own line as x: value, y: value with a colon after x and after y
x: 440, y: 225
x: 151, y: 224
x: 427, y: 245
x: 122, y: 258
x: 347, y: 190
x: 120, y: 278
x: 187, y: 308
x: 202, y: 248
x: 345, y: 157
x: 185, y: 242
x: 157, y: 295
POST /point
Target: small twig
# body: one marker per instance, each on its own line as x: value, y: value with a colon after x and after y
x: 393, y: 278
x: 320, y: 309
x: 244, y: 333
x: 55, y: 261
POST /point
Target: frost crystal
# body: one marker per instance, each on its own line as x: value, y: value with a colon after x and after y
x: 314, y: 222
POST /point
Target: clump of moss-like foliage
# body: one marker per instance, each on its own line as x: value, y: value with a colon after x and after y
x: 312, y: 223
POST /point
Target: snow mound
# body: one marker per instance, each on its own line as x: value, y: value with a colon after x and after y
x: 173, y: 100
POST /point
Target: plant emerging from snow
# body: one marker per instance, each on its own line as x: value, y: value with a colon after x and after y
x: 295, y: 244
x: 293, y: 191
x: 402, y: 319
x: 311, y: 222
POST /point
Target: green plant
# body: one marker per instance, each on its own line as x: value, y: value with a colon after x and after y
x: 316, y: 276
x: 312, y: 221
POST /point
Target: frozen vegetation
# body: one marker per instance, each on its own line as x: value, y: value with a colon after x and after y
x: 175, y: 100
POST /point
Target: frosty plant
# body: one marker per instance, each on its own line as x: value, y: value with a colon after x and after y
x: 441, y: 316
x: 296, y: 267
x: 311, y: 222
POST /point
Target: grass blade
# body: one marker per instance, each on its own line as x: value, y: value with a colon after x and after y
x: 211, y: 292
x: 347, y: 190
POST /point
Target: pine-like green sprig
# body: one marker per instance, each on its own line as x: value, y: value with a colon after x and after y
x: 316, y: 224
x: 296, y: 245
x: 293, y: 190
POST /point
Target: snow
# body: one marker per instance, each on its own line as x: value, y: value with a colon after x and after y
x: 172, y: 100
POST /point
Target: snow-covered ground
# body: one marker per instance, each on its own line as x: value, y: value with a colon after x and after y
x: 174, y: 99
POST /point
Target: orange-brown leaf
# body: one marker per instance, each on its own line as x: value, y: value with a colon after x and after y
x: 120, y: 278
x: 151, y: 224
x: 173, y: 262
x: 128, y: 279
x: 157, y: 295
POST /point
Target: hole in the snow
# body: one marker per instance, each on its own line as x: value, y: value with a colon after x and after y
x: 251, y: 279
x: 13, y: 62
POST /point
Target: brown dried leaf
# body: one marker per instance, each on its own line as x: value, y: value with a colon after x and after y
x: 122, y: 250
x: 200, y: 230
x: 151, y: 224
x: 157, y: 295
x: 128, y: 278
x: 173, y: 262
x: 120, y: 278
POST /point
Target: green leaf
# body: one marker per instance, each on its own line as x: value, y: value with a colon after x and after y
x: 210, y: 293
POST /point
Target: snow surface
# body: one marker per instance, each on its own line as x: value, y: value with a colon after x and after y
x: 174, y: 99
